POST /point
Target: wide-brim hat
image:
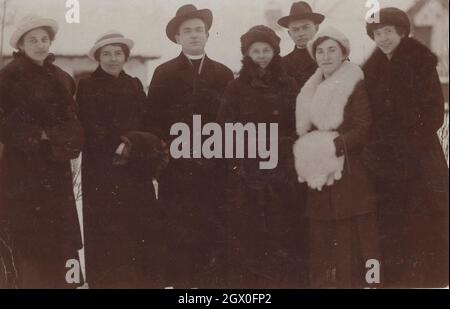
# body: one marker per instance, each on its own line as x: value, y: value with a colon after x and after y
x: 184, y: 13
x: 29, y: 23
x: 390, y: 16
x: 301, y: 10
x: 108, y: 38
x: 331, y: 33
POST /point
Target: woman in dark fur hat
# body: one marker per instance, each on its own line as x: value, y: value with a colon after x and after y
x: 261, y: 219
x: 404, y: 155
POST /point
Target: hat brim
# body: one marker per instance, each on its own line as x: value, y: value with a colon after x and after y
x: 20, y: 31
x: 174, y: 23
x: 110, y: 41
x: 315, y: 17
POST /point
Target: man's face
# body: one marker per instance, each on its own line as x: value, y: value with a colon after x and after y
x: 387, y: 39
x: 192, y: 36
x: 302, y: 31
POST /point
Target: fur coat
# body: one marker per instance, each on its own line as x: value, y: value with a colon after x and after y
x: 320, y: 105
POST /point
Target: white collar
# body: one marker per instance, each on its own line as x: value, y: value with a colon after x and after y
x: 194, y: 57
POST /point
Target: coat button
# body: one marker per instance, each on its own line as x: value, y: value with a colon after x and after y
x: 70, y: 198
x: 276, y: 112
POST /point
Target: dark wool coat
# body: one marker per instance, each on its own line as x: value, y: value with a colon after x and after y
x: 36, y: 197
x: 120, y: 213
x: 262, y: 209
x: 404, y: 154
x: 191, y: 189
x: 267, y: 98
x: 407, y: 164
x: 299, y: 65
x: 343, y: 233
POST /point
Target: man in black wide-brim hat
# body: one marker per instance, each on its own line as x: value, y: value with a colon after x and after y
x: 302, y: 24
x: 191, y: 189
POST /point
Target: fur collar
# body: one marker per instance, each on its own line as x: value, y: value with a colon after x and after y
x: 259, y: 78
x: 321, y: 102
x: 21, y: 56
x: 410, y: 52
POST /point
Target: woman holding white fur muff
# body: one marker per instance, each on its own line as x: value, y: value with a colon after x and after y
x: 333, y: 118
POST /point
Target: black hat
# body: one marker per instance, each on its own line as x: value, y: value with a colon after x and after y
x: 390, y: 17
x: 301, y: 10
x: 260, y: 33
x: 185, y: 12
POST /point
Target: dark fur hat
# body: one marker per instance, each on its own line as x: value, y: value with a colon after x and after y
x: 390, y: 17
x: 260, y: 33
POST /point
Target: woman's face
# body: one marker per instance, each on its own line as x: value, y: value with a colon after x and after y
x: 261, y: 53
x: 35, y: 44
x: 112, y: 58
x: 329, y: 56
x: 387, y: 39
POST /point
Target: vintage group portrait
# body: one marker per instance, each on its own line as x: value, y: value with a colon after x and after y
x: 212, y: 144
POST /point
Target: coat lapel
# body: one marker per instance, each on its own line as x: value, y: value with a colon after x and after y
x: 189, y: 76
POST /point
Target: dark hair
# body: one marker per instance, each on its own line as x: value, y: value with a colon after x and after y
x: 49, y: 31
x: 250, y: 69
x: 124, y: 47
x: 323, y: 39
x: 400, y: 30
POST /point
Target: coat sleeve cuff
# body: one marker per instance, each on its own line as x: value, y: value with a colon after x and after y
x: 339, y: 145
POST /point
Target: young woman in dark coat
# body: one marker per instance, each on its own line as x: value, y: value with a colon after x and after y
x: 119, y: 204
x: 333, y: 120
x: 404, y: 155
x: 41, y: 134
x: 262, y: 215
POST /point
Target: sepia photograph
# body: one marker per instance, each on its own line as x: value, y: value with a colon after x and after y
x: 224, y: 144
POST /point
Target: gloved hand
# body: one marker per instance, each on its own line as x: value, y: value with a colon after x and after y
x: 66, y: 140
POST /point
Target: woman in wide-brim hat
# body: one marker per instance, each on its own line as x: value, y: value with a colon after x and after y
x: 262, y: 214
x: 404, y: 155
x: 119, y: 161
x: 333, y: 119
x: 41, y: 134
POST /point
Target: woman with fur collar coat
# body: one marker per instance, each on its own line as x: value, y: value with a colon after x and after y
x: 262, y: 214
x: 404, y: 155
x: 333, y: 120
